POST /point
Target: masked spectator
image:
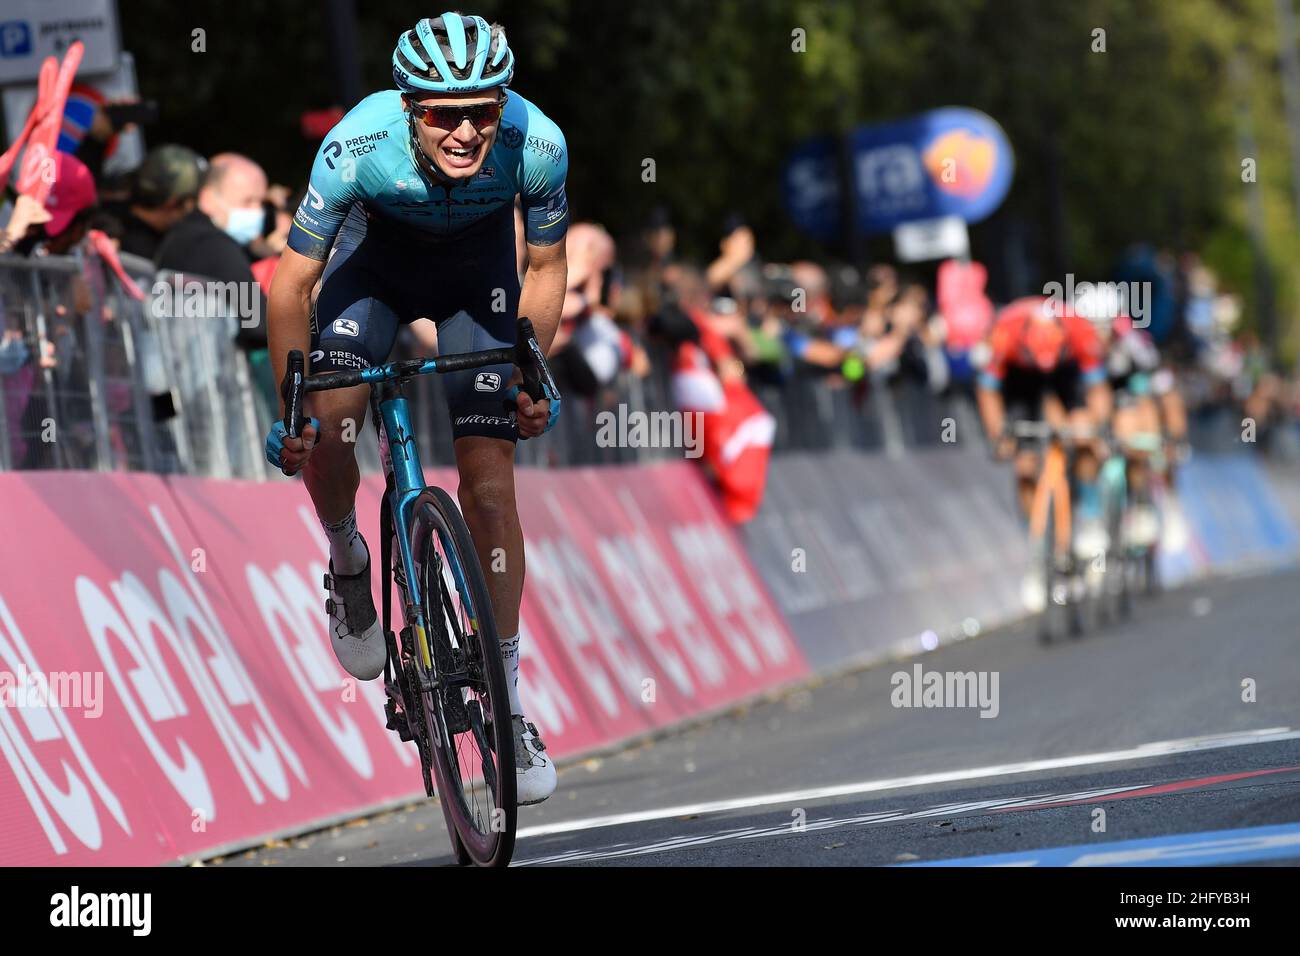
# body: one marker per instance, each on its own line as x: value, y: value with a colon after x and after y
x: 208, y: 242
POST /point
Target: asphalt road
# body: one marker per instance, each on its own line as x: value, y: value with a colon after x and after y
x: 1174, y: 738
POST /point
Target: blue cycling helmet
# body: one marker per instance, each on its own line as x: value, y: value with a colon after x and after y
x: 452, y: 54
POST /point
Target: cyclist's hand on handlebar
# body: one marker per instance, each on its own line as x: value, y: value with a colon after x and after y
x: 532, y: 416
x: 1004, y: 448
x: 290, y: 454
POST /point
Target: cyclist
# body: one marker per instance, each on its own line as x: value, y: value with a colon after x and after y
x: 1133, y: 369
x: 410, y: 214
x: 1045, y: 364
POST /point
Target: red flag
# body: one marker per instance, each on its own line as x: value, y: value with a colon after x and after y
x: 36, y: 175
x: 737, y: 432
x: 44, y: 87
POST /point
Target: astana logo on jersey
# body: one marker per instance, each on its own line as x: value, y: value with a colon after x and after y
x: 512, y: 136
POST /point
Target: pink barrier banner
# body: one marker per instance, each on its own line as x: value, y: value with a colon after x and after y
x: 166, y: 684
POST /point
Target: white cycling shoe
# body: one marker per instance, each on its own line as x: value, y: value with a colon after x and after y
x: 1033, y: 591
x: 1142, y: 529
x: 534, y: 770
x: 355, y: 631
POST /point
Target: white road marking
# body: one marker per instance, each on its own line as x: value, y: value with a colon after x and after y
x: 1141, y: 752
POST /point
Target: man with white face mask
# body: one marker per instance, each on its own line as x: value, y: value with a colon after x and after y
x: 209, y: 242
x: 232, y: 196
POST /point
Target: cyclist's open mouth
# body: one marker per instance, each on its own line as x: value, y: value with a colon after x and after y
x: 460, y: 157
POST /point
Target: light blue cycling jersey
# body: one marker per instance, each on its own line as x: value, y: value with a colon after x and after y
x: 368, y: 159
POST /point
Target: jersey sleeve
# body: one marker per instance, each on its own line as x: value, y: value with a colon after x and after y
x: 1086, y: 349
x: 331, y: 192
x: 1000, y: 345
x: 541, y: 192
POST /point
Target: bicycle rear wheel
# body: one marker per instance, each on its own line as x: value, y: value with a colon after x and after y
x: 463, y: 685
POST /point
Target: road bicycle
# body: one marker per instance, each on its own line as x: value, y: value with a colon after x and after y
x: 1051, y: 527
x: 444, y: 681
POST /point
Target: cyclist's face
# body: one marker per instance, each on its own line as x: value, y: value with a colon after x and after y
x: 458, y: 152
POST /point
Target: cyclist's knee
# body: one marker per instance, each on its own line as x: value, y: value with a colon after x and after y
x: 487, y: 480
x: 488, y: 498
x: 341, y: 414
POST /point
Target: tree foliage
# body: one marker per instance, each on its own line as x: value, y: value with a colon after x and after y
x: 1138, y: 142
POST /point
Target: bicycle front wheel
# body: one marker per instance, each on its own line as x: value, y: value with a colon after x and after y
x: 463, y: 684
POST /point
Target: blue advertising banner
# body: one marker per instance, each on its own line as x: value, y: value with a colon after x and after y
x: 946, y: 162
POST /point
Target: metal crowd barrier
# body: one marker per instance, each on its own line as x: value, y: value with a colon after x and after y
x: 112, y: 383
x: 94, y: 379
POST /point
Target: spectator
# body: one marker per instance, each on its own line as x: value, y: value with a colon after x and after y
x: 589, y: 348
x: 58, y: 227
x: 164, y: 190
x: 266, y: 249
x: 209, y: 243
x: 657, y: 270
x: 737, y: 260
x: 209, y: 240
x: 92, y: 124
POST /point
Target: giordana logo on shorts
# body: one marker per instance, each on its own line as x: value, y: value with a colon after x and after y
x: 133, y: 910
x: 346, y: 327
x: 487, y: 382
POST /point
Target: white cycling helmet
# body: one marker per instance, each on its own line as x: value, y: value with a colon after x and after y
x: 1101, y: 304
x: 452, y: 54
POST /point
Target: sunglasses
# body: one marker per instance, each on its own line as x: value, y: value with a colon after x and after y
x: 450, y: 115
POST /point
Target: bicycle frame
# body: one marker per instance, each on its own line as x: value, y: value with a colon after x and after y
x: 403, y: 473
x: 403, y: 484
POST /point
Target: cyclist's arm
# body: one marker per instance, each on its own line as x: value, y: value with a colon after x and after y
x: 542, y: 296
x: 289, y: 308
x: 992, y: 410
x: 988, y: 390
x: 1099, y: 401
x: 1086, y: 349
x: 546, y: 220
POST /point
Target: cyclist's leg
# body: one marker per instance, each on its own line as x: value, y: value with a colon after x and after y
x: 1022, y: 395
x: 485, y: 292
x: 1143, y: 428
x: 481, y: 299
x: 1022, y: 398
x: 1068, y: 404
x: 353, y: 326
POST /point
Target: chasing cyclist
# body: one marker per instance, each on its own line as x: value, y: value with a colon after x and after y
x: 1133, y: 368
x: 410, y: 214
x: 1045, y: 364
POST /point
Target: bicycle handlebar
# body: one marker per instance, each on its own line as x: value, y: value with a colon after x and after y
x: 1046, y: 431
x: 526, y: 354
